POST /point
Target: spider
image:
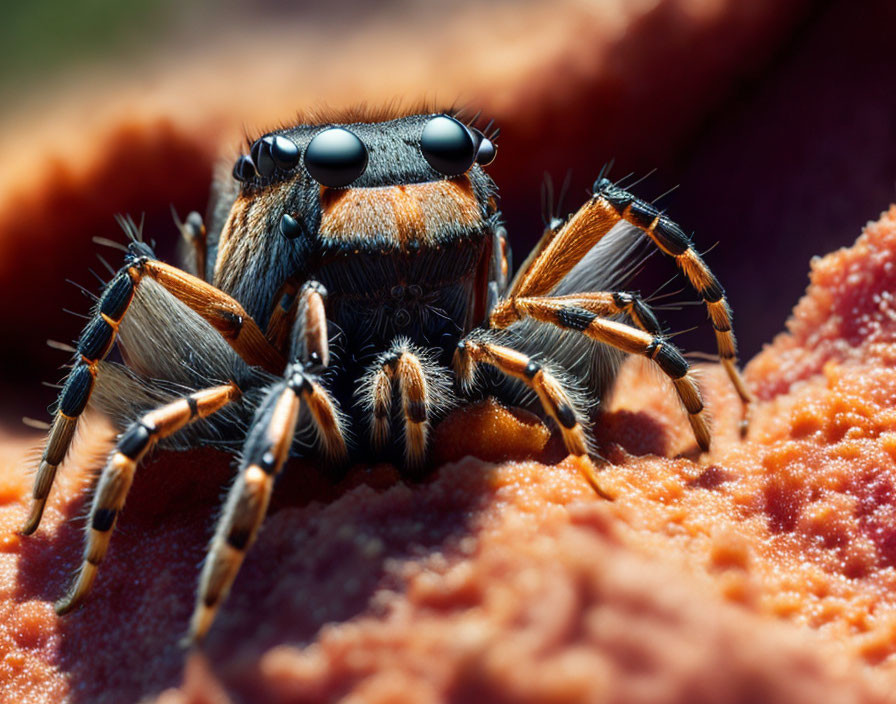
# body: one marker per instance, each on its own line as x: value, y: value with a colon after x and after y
x: 343, y: 264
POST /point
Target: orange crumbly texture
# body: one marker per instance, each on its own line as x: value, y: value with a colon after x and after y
x: 763, y: 570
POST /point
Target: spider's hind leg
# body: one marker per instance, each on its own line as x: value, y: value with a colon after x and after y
x: 670, y: 239
x: 556, y: 399
x: 564, y: 247
x: 585, y: 313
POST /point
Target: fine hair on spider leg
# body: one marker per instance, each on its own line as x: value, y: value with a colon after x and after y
x: 608, y: 266
x: 405, y: 387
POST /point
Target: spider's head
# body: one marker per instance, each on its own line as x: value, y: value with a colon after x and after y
x: 312, y: 192
x: 391, y: 179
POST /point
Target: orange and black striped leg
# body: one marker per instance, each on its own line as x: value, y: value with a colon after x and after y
x: 328, y: 422
x: 221, y: 311
x: 266, y: 449
x: 116, y: 478
x: 94, y: 344
x: 283, y: 316
x: 503, y: 259
x: 671, y: 240
x: 547, y: 236
x: 608, y: 206
x: 415, y: 386
x: 560, y: 312
x: 305, y: 305
x: 226, y: 315
x: 554, y: 398
x: 195, y: 237
x: 315, y: 344
x: 603, y: 303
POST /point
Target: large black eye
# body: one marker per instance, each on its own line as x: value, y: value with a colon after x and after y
x: 335, y: 157
x: 448, y: 146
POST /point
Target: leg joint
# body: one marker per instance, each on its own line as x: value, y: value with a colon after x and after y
x: 641, y: 214
x: 238, y: 538
x: 644, y: 316
x: 712, y: 292
x: 618, y: 198
x: 671, y: 361
x: 134, y: 441
x: 671, y: 237
x: 416, y: 411
x: 103, y: 518
x: 532, y: 368
x: 566, y: 416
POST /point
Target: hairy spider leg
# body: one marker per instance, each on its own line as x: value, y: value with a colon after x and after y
x: 566, y: 312
x: 313, y: 317
x: 283, y: 315
x: 307, y: 305
x: 404, y: 367
x: 553, y: 397
x: 586, y: 227
x: 222, y: 312
x: 547, y: 236
x: 266, y: 449
x: 603, y: 303
x: 118, y: 475
x: 94, y: 344
x: 195, y: 236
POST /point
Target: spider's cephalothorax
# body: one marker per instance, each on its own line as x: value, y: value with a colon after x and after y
x: 349, y: 280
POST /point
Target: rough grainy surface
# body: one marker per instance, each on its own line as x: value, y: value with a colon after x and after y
x: 763, y: 571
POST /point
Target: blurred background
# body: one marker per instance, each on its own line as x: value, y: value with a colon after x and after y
x: 772, y: 120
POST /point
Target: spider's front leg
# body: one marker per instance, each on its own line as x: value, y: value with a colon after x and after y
x: 224, y: 314
x: 118, y: 475
x: 556, y: 400
x: 424, y: 390
x: 266, y: 449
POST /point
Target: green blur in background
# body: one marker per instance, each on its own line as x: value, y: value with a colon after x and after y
x: 52, y: 37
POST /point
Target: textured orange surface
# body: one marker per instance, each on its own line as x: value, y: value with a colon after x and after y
x: 763, y: 570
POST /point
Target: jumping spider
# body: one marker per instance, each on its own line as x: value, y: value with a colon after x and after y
x: 342, y: 263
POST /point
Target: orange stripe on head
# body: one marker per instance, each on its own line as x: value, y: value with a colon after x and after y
x: 401, y: 214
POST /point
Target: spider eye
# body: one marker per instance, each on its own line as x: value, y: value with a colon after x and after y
x: 447, y: 145
x: 244, y: 169
x: 335, y: 157
x: 274, y: 152
x: 285, y: 152
x: 486, y: 152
